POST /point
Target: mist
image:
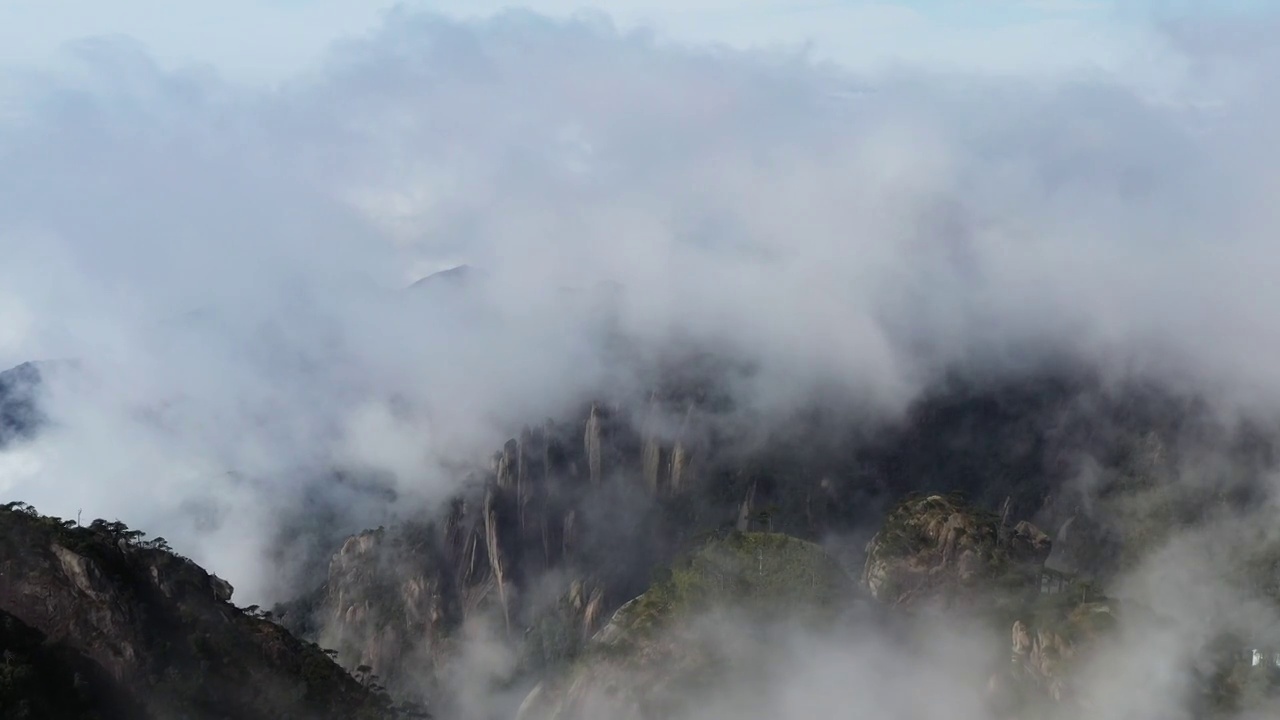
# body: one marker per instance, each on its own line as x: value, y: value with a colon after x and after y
x: 229, y: 266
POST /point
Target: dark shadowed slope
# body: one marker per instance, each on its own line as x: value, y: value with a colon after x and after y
x: 40, y: 680
x: 153, y: 629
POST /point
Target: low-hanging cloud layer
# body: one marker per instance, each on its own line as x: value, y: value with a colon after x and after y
x: 229, y: 265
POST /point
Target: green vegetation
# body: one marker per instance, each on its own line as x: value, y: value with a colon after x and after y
x: 100, y: 539
x: 654, y: 655
x: 906, y: 527
x: 752, y: 572
x: 931, y: 545
x: 554, y: 639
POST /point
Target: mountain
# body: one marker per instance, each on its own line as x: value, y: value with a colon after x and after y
x: 963, y: 504
x: 99, y: 623
x: 571, y: 519
x: 717, y: 625
x: 453, y: 277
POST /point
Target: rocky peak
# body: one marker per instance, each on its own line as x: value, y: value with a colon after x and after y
x: 453, y: 276
x: 939, y: 548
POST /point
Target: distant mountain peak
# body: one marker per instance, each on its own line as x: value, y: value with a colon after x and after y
x: 454, y: 275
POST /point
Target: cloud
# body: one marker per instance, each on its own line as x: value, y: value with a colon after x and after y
x: 231, y: 261
x: 265, y: 41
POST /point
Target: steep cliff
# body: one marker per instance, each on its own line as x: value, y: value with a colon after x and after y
x: 157, y: 632
x: 40, y: 680
x: 553, y: 532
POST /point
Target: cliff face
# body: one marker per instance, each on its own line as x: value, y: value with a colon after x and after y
x: 40, y: 680
x: 158, y: 632
x: 552, y: 533
x: 939, y: 553
x: 389, y: 605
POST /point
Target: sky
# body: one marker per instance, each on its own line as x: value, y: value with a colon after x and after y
x: 263, y: 41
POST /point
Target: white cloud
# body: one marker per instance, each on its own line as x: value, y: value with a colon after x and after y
x: 854, y: 246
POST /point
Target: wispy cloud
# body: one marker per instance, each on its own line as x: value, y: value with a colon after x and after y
x: 262, y: 40
x: 849, y: 233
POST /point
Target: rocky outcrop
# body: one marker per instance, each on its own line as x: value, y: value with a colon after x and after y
x: 160, y: 629
x: 668, y: 449
x: 1050, y: 642
x: 937, y: 548
x: 394, y: 598
x: 498, y: 555
x: 396, y: 601
x: 593, y: 445
x: 937, y: 552
x: 401, y: 594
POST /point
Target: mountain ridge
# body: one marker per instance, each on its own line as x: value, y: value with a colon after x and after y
x: 159, y: 632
